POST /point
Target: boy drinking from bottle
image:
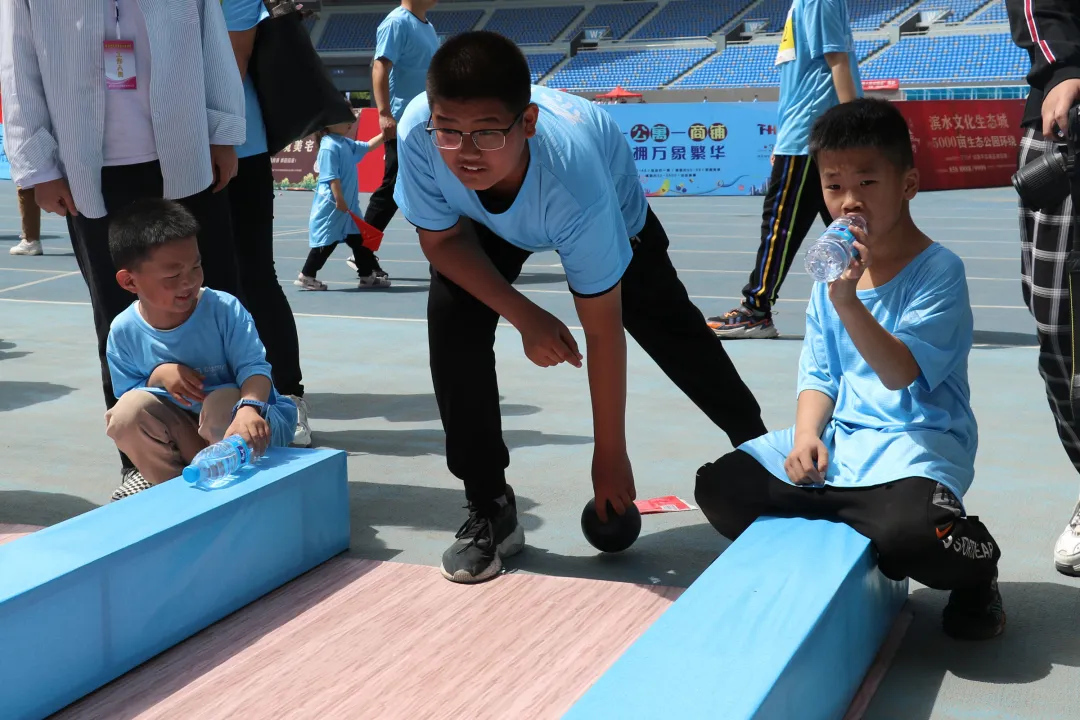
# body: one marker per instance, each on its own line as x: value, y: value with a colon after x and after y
x: 884, y: 436
x: 187, y: 365
x: 490, y: 170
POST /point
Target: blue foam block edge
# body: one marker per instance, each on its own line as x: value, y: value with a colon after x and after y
x: 785, y: 623
x: 87, y: 600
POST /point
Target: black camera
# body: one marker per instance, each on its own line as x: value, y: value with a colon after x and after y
x: 1048, y: 180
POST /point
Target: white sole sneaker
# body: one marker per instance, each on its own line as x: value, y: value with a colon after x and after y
x: 309, y: 283
x: 374, y: 280
x: 302, y: 438
x: 27, y: 247
x: 1067, y: 547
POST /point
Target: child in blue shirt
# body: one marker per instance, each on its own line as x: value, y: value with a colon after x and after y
x: 337, y: 195
x: 187, y: 365
x: 490, y: 170
x: 884, y: 436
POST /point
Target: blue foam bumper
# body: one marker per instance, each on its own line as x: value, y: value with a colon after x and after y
x: 784, y: 624
x: 85, y: 601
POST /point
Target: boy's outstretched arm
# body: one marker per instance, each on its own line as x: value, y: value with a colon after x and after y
x: 613, y: 477
x: 457, y: 254
x: 376, y: 142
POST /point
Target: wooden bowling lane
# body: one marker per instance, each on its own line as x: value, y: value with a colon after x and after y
x: 9, y: 532
x: 361, y: 639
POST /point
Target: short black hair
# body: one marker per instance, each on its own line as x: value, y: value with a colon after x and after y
x: 864, y: 123
x: 145, y: 225
x: 480, y: 65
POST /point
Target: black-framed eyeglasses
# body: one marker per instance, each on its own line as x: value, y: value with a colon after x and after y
x: 486, y: 140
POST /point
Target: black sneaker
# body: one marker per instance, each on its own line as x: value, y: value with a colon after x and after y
x: 131, y: 483
x: 491, y: 533
x: 974, y: 613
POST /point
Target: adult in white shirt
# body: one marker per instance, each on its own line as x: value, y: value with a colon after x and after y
x: 109, y: 101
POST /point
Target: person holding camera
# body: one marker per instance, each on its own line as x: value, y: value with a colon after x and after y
x: 1049, y: 30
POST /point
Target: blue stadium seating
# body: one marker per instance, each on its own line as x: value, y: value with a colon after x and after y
x: 454, y: 22
x: 773, y: 12
x: 347, y: 32
x: 530, y: 26
x: 960, y: 58
x: 620, y: 17
x: 540, y: 64
x: 350, y: 31
x: 750, y: 66
x: 961, y: 9
x: 872, y: 14
x: 639, y: 69
x: 690, y: 18
x: 996, y: 13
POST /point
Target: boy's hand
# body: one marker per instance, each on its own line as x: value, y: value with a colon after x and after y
x: 843, y: 290
x: 184, y: 384
x: 613, y: 480
x: 547, y: 341
x: 342, y: 205
x: 808, y: 461
x: 251, y: 426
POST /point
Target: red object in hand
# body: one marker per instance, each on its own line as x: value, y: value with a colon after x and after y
x: 372, y: 235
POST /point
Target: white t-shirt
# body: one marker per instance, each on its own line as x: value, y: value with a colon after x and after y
x: 129, y: 131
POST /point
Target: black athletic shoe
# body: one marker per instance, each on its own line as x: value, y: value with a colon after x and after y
x: 490, y: 532
x: 974, y: 613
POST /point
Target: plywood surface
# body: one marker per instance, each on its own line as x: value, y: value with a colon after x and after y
x: 363, y: 639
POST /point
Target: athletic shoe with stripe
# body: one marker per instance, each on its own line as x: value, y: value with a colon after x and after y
x: 742, y: 323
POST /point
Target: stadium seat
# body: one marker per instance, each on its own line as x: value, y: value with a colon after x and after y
x: 350, y: 32
x: 994, y: 13
x: 540, y: 64
x: 950, y: 58
x: 526, y: 26
x: 690, y: 18
x: 750, y: 66
x: 620, y: 17
x: 639, y: 69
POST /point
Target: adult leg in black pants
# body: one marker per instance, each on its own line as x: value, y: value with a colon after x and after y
x: 792, y: 203
x: 917, y: 526
x: 121, y: 186
x: 251, y: 204
x: 381, y: 206
x: 461, y: 332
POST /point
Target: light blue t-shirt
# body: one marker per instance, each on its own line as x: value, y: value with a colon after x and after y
x: 408, y: 43
x: 581, y: 196
x: 813, y: 28
x: 241, y: 15
x: 219, y: 341
x: 878, y: 435
x: 337, y: 160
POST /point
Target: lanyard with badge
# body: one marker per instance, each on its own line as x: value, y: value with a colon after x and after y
x: 119, y: 59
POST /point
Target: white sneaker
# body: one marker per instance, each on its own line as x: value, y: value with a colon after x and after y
x: 302, y: 438
x: 26, y: 247
x: 1067, y: 548
x: 309, y: 283
x: 376, y: 279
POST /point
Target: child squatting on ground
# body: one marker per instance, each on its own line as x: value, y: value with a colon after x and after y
x: 336, y: 196
x: 187, y: 364
x: 884, y: 437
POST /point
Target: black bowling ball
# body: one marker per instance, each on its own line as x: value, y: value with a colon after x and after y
x: 617, y: 534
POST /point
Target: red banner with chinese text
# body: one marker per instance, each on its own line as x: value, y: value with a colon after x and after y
x: 962, y: 144
x: 294, y: 167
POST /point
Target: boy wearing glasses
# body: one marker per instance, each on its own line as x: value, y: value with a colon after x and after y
x: 492, y: 169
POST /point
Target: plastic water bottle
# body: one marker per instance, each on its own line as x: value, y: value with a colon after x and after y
x: 829, y: 257
x: 212, y: 467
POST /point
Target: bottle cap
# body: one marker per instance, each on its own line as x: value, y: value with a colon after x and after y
x: 191, y: 474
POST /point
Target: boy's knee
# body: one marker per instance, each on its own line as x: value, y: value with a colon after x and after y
x: 128, y: 413
x: 720, y: 493
x: 216, y: 415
